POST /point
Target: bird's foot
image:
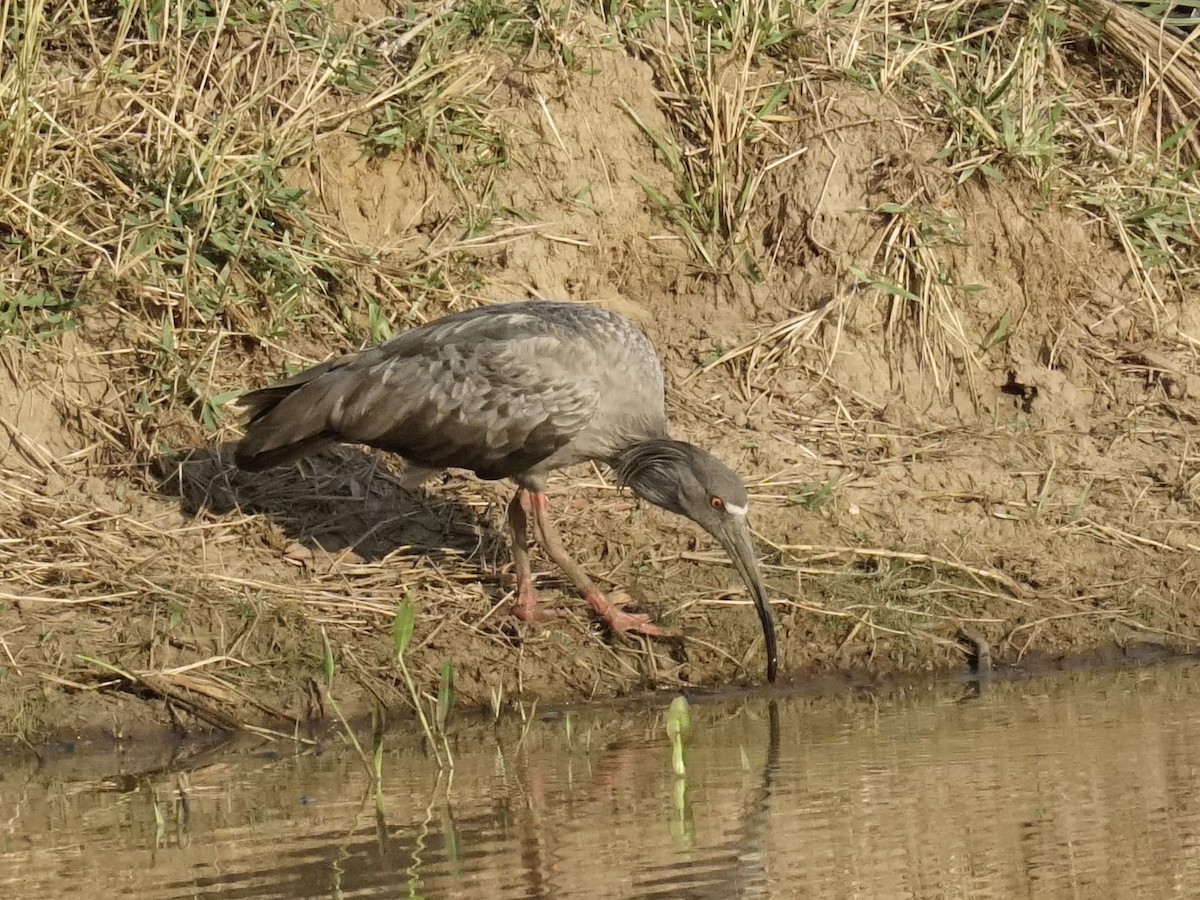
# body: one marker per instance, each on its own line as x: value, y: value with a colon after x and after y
x: 622, y: 622
x: 528, y: 609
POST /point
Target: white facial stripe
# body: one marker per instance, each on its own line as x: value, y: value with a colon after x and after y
x: 736, y: 510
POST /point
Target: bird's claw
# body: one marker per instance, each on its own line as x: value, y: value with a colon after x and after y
x: 527, y: 609
x: 622, y: 622
x: 638, y: 623
x: 535, y: 615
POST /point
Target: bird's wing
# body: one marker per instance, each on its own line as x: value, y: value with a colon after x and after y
x: 496, y: 403
x: 497, y: 407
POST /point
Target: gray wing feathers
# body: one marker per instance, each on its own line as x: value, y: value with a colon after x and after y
x: 497, y: 411
x: 474, y: 398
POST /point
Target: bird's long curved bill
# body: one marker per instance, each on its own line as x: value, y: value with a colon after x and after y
x: 735, y: 538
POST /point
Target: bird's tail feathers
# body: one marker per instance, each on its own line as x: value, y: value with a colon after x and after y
x: 285, y: 423
x: 255, y: 459
x: 253, y: 405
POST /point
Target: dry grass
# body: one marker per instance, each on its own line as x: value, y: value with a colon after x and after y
x: 1094, y: 102
x: 145, y: 169
x: 146, y: 163
x: 150, y: 230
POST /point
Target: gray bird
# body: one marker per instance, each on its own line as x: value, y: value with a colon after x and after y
x: 516, y: 391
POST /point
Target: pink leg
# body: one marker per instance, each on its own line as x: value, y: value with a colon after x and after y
x: 617, y: 620
x: 526, y: 607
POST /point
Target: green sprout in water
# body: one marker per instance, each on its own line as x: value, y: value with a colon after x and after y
x: 679, y: 725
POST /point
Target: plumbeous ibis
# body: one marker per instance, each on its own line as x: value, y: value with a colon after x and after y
x: 516, y: 390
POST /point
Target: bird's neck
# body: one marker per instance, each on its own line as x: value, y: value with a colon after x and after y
x: 650, y: 468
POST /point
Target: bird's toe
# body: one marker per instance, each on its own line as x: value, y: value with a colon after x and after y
x: 642, y: 624
x: 528, y: 609
x: 635, y: 623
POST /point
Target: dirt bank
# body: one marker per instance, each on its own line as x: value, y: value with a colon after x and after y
x: 958, y: 376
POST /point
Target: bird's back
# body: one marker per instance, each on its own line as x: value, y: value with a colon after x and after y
x: 502, y: 390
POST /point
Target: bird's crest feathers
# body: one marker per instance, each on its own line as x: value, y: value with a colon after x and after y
x: 643, y: 460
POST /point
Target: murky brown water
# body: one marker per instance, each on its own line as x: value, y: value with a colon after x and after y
x: 1079, y: 786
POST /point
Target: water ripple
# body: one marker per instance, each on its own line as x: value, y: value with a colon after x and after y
x: 1086, y: 786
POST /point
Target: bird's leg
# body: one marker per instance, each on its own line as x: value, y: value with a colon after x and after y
x: 617, y: 620
x: 526, y: 606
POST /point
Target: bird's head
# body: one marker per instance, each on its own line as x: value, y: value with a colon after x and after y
x: 686, y: 480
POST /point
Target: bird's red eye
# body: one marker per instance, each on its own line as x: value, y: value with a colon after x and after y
x: 716, y: 503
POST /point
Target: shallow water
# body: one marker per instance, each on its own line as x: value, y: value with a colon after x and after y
x: 1077, y: 786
